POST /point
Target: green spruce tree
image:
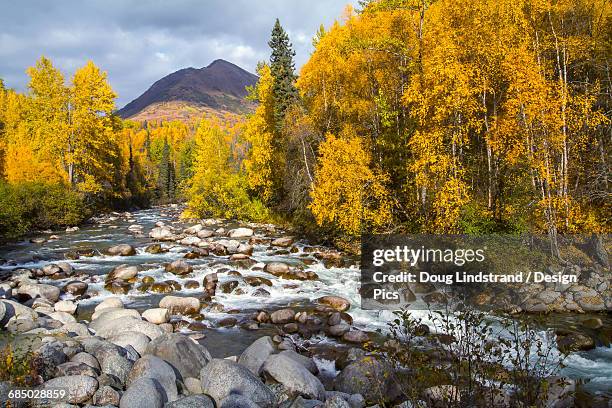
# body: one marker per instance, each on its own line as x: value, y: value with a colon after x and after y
x: 282, y: 68
x: 166, y: 181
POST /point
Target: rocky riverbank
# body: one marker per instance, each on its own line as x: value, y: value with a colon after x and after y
x: 139, y: 308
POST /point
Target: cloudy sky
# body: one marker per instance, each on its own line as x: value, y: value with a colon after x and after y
x: 139, y: 41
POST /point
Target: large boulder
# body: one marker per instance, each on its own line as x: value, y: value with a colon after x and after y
x: 277, y: 268
x: 220, y: 378
x: 153, y: 367
x: 303, y: 360
x: 116, y: 365
x: 109, y: 303
x: 17, y: 310
x: 237, y: 401
x: 35, y: 290
x: 65, y: 306
x: 162, y: 234
x: 106, y: 315
x: 181, y: 352
x: 156, y: 315
x: 358, y: 377
x: 294, y: 376
x: 121, y: 250
x: 180, y: 305
x: 75, y: 288
x: 144, y: 392
x: 128, y: 323
x: 80, y: 388
x: 256, y: 354
x: 283, y: 242
x: 282, y: 316
x: 106, y: 395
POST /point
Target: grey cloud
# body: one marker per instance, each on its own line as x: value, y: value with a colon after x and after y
x: 140, y: 41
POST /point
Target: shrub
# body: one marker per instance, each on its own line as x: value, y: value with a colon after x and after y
x: 28, y: 206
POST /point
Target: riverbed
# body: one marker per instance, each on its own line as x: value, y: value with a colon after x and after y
x: 593, y: 366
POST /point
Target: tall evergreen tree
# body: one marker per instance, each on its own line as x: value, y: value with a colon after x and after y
x: 167, y: 178
x: 283, y: 71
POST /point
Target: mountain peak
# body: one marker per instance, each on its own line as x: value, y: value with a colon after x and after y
x: 220, y: 86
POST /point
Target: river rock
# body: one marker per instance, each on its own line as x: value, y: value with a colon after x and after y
x: 105, y: 315
x: 154, y: 367
x: 65, y: 306
x: 575, y: 342
x: 229, y: 286
x: 240, y: 233
x: 282, y: 316
x: 106, y: 395
x: 51, y: 269
x: 358, y: 377
x: 277, y: 268
x: 335, y: 302
x: 34, y: 290
x: 162, y: 234
x: 205, y: 233
x: 183, y: 353
x: 179, y: 267
x: 355, y: 336
x: 221, y: 377
x: 257, y: 281
x: 180, y: 305
x: 144, y: 392
x: 237, y: 401
x: 157, y: 316
x: 559, y: 393
x: 75, y: 288
x: 294, y: 376
x: 74, y: 368
x: 590, y: 302
x: 138, y: 341
x: 593, y: 323
x: 194, y: 229
x: 307, y: 362
x: 283, y: 242
x: 155, y: 249
x: 109, y: 303
x: 128, y: 323
x: 123, y: 272
x: 121, y: 250
x: 86, y: 358
x: 17, y: 310
x: 80, y: 388
x: 187, y: 241
x: 256, y: 354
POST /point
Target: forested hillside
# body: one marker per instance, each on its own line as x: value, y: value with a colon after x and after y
x: 416, y: 116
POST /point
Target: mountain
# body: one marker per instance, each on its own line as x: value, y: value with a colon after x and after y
x: 190, y: 92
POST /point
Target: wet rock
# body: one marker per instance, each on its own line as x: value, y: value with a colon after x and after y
x: 210, y: 283
x: 338, y: 330
x: 262, y: 316
x: 294, y: 376
x: 194, y: 229
x: 277, y: 268
x: 183, y: 353
x: 335, y: 302
x: 80, y: 388
x: 283, y: 242
x: 260, y: 292
x: 358, y: 377
x: 156, y: 316
x: 191, y: 284
x: 121, y: 250
x: 106, y: 395
x: 187, y: 241
x: 51, y: 269
x: 257, y: 281
x: 220, y: 378
x: 155, y: 249
x: 240, y: 233
x: 355, y: 336
x: 123, y: 272
x: 574, y: 342
x: 192, y: 401
x: 227, y: 322
x: 118, y: 287
x: 282, y: 316
x: 256, y: 354
x: 179, y: 267
x: 161, y: 287
x: 144, y: 392
x: 229, y: 286
x: 593, y: 323
x: 75, y: 288
x: 153, y: 367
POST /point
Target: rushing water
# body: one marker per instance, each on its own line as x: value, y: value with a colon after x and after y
x: 594, y: 365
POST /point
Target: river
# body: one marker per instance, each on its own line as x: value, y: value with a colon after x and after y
x: 594, y: 366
